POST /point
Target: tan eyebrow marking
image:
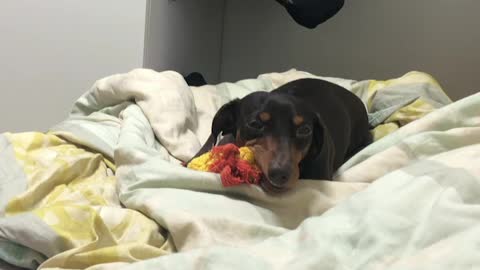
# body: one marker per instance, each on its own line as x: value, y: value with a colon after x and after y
x: 298, y: 120
x: 265, y: 116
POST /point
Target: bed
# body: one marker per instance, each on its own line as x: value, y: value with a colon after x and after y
x: 105, y: 189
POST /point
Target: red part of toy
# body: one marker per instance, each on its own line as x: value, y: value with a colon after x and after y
x: 233, y: 170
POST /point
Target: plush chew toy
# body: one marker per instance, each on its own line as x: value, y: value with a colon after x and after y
x: 235, y: 165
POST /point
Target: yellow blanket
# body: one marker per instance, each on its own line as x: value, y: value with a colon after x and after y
x: 74, y: 192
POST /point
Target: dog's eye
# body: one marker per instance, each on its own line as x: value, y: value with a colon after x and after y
x: 255, y: 124
x: 304, y: 130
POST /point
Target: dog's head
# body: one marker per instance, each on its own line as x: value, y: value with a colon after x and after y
x: 284, y: 132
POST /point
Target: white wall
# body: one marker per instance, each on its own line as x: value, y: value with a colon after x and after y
x: 52, y: 51
x: 186, y: 36
x: 367, y: 39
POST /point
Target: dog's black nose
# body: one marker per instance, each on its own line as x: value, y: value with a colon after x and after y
x: 278, y: 177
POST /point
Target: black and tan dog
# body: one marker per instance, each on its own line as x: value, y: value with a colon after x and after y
x: 304, y: 129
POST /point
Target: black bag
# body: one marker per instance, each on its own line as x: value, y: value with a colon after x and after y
x: 311, y: 13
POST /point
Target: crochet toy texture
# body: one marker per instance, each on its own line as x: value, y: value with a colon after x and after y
x: 235, y: 165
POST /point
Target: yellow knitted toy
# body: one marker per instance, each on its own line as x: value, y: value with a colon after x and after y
x: 235, y: 165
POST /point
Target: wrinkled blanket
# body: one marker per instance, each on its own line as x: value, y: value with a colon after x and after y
x: 105, y: 189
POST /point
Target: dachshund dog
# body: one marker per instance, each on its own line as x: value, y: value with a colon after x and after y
x: 305, y: 129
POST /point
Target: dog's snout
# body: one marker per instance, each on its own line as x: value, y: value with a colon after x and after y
x: 279, y: 176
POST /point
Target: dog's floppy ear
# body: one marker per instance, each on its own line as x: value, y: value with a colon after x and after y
x: 320, y: 160
x: 225, y: 122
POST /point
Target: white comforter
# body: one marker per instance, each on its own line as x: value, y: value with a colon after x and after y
x: 408, y: 201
